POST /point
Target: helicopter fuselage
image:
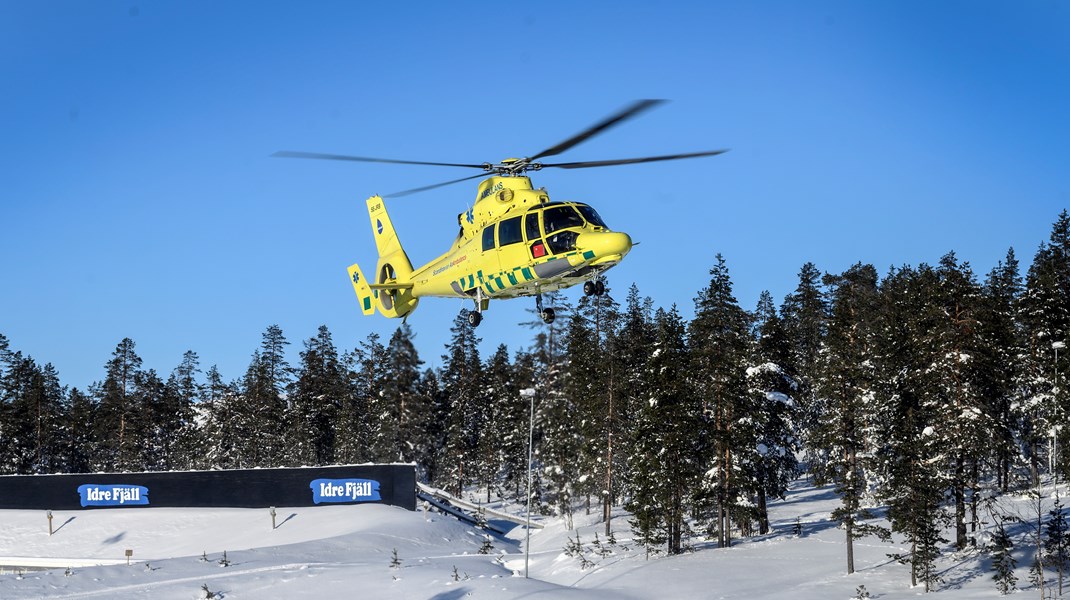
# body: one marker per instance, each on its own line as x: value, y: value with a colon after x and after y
x: 517, y: 242
x: 514, y: 242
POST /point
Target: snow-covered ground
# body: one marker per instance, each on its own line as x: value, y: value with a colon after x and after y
x: 347, y: 551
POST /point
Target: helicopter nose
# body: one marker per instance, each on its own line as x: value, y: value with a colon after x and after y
x: 606, y: 245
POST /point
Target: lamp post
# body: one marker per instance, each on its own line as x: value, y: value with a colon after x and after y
x: 1057, y: 346
x: 529, y: 393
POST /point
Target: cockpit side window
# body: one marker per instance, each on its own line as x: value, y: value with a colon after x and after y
x: 509, y: 232
x: 531, y: 226
x: 591, y: 215
x: 560, y: 217
x: 488, y: 238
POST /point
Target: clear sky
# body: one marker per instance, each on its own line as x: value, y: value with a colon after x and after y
x: 138, y: 197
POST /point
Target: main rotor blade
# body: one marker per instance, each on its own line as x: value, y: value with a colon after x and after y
x: 317, y: 155
x: 594, y: 130
x: 630, y: 161
x: 431, y: 187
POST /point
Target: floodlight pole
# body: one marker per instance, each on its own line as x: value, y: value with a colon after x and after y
x: 1055, y: 428
x: 529, y: 393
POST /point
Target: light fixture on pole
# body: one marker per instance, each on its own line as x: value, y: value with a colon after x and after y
x: 529, y: 393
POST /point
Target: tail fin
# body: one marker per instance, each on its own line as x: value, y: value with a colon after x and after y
x: 360, y: 286
x: 393, y: 274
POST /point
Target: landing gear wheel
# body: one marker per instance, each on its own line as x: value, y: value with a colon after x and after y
x: 474, y: 318
x: 599, y: 288
x: 547, y: 315
x: 590, y: 288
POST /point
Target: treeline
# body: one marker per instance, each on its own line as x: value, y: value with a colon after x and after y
x: 923, y: 390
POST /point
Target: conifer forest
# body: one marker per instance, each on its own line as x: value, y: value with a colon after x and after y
x: 919, y: 393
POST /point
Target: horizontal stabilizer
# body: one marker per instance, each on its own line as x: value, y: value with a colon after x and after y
x: 390, y: 286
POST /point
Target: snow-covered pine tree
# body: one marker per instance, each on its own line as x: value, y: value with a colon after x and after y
x: 664, y: 465
x: 183, y: 435
x: 221, y: 432
x: 911, y: 457
x: 773, y: 461
x: 965, y: 423
x: 428, y: 445
x: 844, y: 383
x: 462, y: 384
x: 502, y: 448
x: 314, y: 398
x: 79, y: 443
x: 262, y: 413
x: 1003, y: 562
x: 805, y: 314
x: 506, y: 379
x: 33, y: 406
x: 629, y: 349
x: 568, y: 420
x: 1044, y: 315
x: 154, y: 422
x: 401, y: 387
x: 366, y: 369
x: 1057, y: 542
x: 118, y: 410
x: 596, y: 397
x: 996, y: 361
x: 718, y: 342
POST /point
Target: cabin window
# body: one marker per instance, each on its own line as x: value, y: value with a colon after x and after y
x: 509, y: 232
x: 560, y: 217
x: 591, y: 215
x: 531, y: 225
x: 488, y: 238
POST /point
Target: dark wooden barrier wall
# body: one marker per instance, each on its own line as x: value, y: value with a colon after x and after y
x: 243, y: 488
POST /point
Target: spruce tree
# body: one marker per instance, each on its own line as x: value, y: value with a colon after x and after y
x: 119, y: 412
x: 629, y: 346
x: 366, y: 371
x: 314, y: 401
x: 400, y: 410
x: 805, y: 314
x: 911, y: 457
x: 773, y: 462
x: 1003, y: 563
x: 80, y: 440
x: 1057, y: 542
x: 965, y: 425
x: 997, y: 361
x: 664, y: 464
x: 262, y: 414
x: 183, y: 435
x: 503, y: 447
x: 718, y: 342
x: 845, y: 383
x: 223, y: 431
x: 464, y: 390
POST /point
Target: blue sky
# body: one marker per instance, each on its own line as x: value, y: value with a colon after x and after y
x: 138, y: 197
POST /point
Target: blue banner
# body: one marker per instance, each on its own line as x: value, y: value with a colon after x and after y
x: 344, y: 490
x: 104, y: 494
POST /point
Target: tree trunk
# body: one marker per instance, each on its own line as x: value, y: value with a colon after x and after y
x: 960, y: 504
x: 848, y: 527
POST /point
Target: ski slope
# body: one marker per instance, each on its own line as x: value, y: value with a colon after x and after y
x: 347, y: 551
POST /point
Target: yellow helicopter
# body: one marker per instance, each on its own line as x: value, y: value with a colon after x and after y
x: 513, y: 242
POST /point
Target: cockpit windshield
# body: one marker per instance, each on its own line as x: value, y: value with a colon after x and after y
x: 591, y: 215
x: 560, y: 217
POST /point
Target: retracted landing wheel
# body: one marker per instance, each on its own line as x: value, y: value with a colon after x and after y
x: 547, y: 315
x: 474, y: 318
